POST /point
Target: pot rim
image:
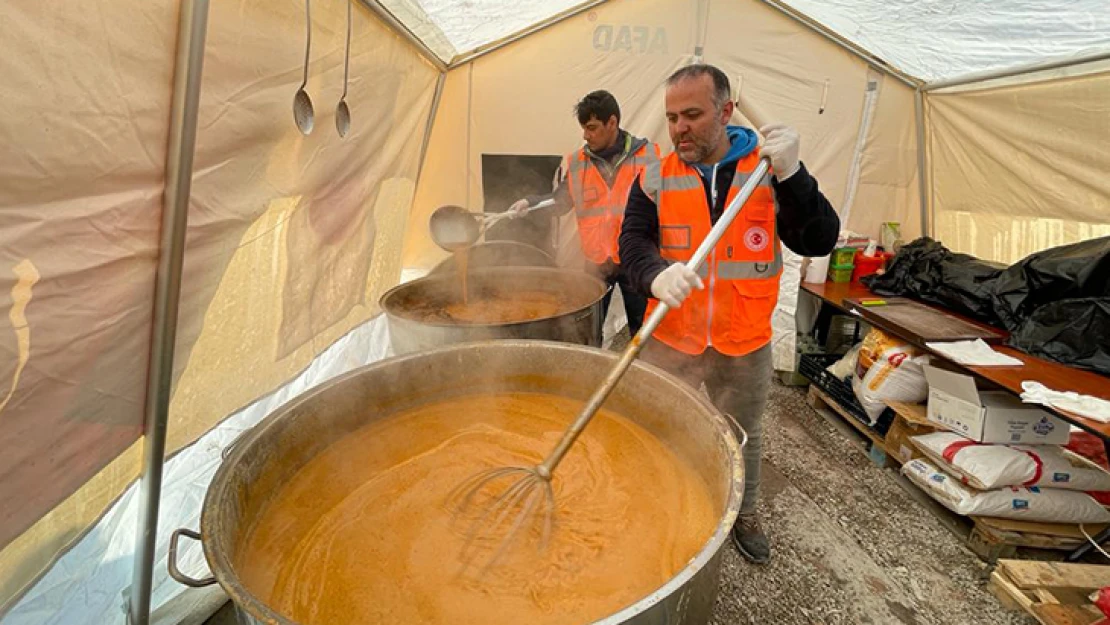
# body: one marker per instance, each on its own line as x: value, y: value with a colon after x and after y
x: 225, y: 573
x: 390, y: 310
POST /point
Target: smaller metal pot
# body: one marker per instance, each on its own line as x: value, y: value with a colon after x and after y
x: 579, y: 322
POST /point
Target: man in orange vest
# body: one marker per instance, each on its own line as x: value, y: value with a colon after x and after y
x: 719, y: 329
x: 594, y: 181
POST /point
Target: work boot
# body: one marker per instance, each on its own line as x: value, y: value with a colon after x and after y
x: 749, y: 538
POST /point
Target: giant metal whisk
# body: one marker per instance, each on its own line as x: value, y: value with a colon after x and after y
x: 528, y: 489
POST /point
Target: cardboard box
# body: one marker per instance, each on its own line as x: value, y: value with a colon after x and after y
x: 909, y: 421
x: 989, y: 416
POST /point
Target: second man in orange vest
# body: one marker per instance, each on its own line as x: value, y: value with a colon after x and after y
x: 594, y: 181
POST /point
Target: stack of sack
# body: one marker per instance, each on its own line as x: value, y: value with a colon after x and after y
x: 888, y: 369
x: 1039, y: 483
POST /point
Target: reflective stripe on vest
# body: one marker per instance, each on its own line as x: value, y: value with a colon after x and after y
x: 747, y: 270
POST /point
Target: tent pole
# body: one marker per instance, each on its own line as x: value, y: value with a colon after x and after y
x: 968, y: 79
x: 399, y: 28
x: 847, y: 45
x: 922, y: 183
x: 429, y: 125
x: 192, y: 30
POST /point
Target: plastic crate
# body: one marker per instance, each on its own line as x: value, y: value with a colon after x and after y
x: 813, y: 367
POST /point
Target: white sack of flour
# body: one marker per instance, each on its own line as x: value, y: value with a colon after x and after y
x: 1043, y: 505
x: 986, y: 467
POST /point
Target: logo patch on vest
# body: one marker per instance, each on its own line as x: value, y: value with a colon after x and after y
x: 756, y: 239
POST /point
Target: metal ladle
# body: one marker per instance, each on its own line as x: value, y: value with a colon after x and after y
x: 454, y: 228
x: 342, y: 112
x: 302, y: 104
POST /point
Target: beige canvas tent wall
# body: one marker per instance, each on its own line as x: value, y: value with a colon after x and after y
x: 1017, y: 163
x: 291, y: 239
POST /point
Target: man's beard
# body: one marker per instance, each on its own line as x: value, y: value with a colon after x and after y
x: 701, y: 149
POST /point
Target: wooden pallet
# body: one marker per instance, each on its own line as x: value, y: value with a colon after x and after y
x: 818, y: 399
x: 893, y: 449
x: 1051, y: 592
x: 909, y: 421
x: 993, y: 538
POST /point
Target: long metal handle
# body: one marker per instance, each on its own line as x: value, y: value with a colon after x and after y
x: 308, y: 39
x: 171, y: 561
x: 539, y: 205
x: 637, y: 343
x: 489, y: 220
x: 347, y: 55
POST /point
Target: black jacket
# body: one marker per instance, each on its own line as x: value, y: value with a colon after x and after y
x: 806, y: 223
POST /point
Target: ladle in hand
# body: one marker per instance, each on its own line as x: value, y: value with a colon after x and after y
x: 454, y: 228
x: 528, y: 489
x: 342, y: 113
x: 302, y: 104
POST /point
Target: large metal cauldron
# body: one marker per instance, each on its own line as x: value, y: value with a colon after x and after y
x: 271, y: 453
x: 580, y: 321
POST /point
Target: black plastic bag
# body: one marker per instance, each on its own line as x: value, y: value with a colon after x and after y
x: 928, y: 271
x: 1055, y: 303
x: 1081, y: 270
x: 1075, y: 332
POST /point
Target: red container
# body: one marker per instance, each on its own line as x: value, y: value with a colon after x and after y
x: 867, y: 265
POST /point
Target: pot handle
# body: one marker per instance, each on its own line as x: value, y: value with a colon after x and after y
x: 738, y: 429
x: 743, y: 439
x: 233, y: 444
x: 172, y: 562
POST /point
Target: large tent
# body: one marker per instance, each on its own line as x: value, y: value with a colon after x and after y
x: 983, y: 125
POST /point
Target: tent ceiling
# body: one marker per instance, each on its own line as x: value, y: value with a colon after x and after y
x: 453, y: 27
x: 929, y: 39
x: 942, y: 39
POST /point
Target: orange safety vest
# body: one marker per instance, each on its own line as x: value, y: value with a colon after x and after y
x: 741, y: 275
x: 600, y: 207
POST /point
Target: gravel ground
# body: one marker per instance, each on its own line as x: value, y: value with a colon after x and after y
x: 849, y: 545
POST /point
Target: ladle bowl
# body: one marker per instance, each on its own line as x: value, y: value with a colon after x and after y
x: 454, y: 228
x: 303, y: 113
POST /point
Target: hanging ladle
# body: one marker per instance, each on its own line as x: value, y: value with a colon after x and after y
x: 302, y: 104
x: 342, y: 113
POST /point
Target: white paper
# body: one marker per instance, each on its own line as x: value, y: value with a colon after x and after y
x: 973, y: 353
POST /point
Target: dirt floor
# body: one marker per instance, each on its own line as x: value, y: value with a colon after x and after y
x: 849, y: 544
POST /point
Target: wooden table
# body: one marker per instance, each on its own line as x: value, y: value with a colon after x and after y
x: 1054, y: 375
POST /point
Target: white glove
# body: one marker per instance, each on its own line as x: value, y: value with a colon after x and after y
x: 674, y: 283
x: 518, y: 208
x: 781, y: 146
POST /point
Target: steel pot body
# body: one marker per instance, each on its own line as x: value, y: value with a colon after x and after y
x: 271, y: 453
x: 579, y: 321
